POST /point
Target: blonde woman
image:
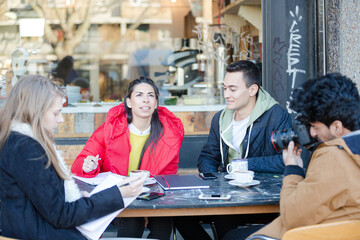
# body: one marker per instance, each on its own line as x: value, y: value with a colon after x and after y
x: 39, y: 199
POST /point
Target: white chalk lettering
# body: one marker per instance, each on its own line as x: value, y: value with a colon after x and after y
x: 293, y: 53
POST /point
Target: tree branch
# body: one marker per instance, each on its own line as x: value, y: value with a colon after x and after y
x: 3, y: 8
x: 49, y: 34
x: 58, y: 15
x: 138, y: 20
x: 84, y: 27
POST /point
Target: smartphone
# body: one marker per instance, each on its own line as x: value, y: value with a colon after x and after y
x: 150, y: 196
x: 215, y: 196
x: 207, y: 176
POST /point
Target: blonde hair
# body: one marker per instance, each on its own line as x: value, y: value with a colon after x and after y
x: 27, y: 103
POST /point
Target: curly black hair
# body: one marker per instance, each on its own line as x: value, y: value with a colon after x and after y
x: 251, y: 72
x: 326, y: 99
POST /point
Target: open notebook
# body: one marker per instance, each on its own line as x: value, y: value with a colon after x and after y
x: 94, y: 229
x: 177, y: 182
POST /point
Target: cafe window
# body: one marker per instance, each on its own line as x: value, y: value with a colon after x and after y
x: 183, y: 45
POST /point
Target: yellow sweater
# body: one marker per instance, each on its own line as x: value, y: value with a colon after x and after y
x: 137, y: 143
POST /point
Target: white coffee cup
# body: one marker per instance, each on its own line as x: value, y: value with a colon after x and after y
x: 136, y: 173
x: 243, y: 177
x: 237, y: 165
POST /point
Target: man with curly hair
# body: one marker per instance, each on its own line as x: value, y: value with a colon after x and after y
x: 329, y: 190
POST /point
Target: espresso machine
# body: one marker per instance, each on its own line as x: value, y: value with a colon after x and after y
x: 182, y: 71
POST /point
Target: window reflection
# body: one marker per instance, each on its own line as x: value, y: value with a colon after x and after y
x: 183, y: 45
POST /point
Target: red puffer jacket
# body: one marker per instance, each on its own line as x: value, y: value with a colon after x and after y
x: 111, y: 141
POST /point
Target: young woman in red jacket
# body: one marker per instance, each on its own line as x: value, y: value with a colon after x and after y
x: 137, y: 134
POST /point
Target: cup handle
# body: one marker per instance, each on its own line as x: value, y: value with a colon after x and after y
x: 227, y: 168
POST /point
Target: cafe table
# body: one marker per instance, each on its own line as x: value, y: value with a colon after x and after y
x: 262, y: 198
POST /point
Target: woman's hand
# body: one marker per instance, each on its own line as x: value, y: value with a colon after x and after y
x: 85, y: 194
x: 90, y: 163
x: 292, y: 155
x: 134, y: 188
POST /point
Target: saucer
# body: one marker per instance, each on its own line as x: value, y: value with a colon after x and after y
x: 145, y: 190
x: 229, y: 176
x: 149, y: 181
x: 244, y: 185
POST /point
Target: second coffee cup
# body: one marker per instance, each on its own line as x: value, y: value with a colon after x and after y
x: 243, y: 177
x: 237, y: 165
x: 136, y: 173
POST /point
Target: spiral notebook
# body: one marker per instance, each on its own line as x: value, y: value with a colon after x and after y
x: 177, y: 182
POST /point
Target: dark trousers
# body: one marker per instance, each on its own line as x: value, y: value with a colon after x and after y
x: 241, y: 233
x: 191, y: 229
x: 159, y: 227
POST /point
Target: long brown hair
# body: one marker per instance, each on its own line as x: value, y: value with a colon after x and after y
x: 157, y: 128
x: 27, y: 103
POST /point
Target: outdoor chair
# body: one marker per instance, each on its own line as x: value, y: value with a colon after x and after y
x: 6, y: 238
x: 344, y: 230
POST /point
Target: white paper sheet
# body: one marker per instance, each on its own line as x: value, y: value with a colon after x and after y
x: 98, y: 179
x: 94, y: 229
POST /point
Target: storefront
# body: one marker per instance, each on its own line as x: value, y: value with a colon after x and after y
x: 183, y: 45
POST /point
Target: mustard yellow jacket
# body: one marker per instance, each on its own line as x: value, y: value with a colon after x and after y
x: 329, y: 192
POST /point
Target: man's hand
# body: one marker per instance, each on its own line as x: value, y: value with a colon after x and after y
x: 292, y: 155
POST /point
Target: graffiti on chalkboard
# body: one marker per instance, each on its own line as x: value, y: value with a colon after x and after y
x: 293, y: 53
x: 278, y: 53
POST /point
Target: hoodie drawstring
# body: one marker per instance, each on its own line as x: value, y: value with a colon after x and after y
x: 248, y: 143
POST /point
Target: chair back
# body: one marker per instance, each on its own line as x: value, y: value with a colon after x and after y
x: 6, y: 238
x: 261, y: 237
x: 344, y: 230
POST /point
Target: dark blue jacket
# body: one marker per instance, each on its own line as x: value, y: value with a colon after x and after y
x: 262, y: 156
x: 33, y: 199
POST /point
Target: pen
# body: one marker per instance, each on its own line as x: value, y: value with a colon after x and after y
x: 128, y: 183
x: 97, y: 159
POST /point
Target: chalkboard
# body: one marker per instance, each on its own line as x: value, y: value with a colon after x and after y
x: 289, y: 46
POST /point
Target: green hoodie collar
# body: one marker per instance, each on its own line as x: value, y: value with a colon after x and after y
x: 263, y: 103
